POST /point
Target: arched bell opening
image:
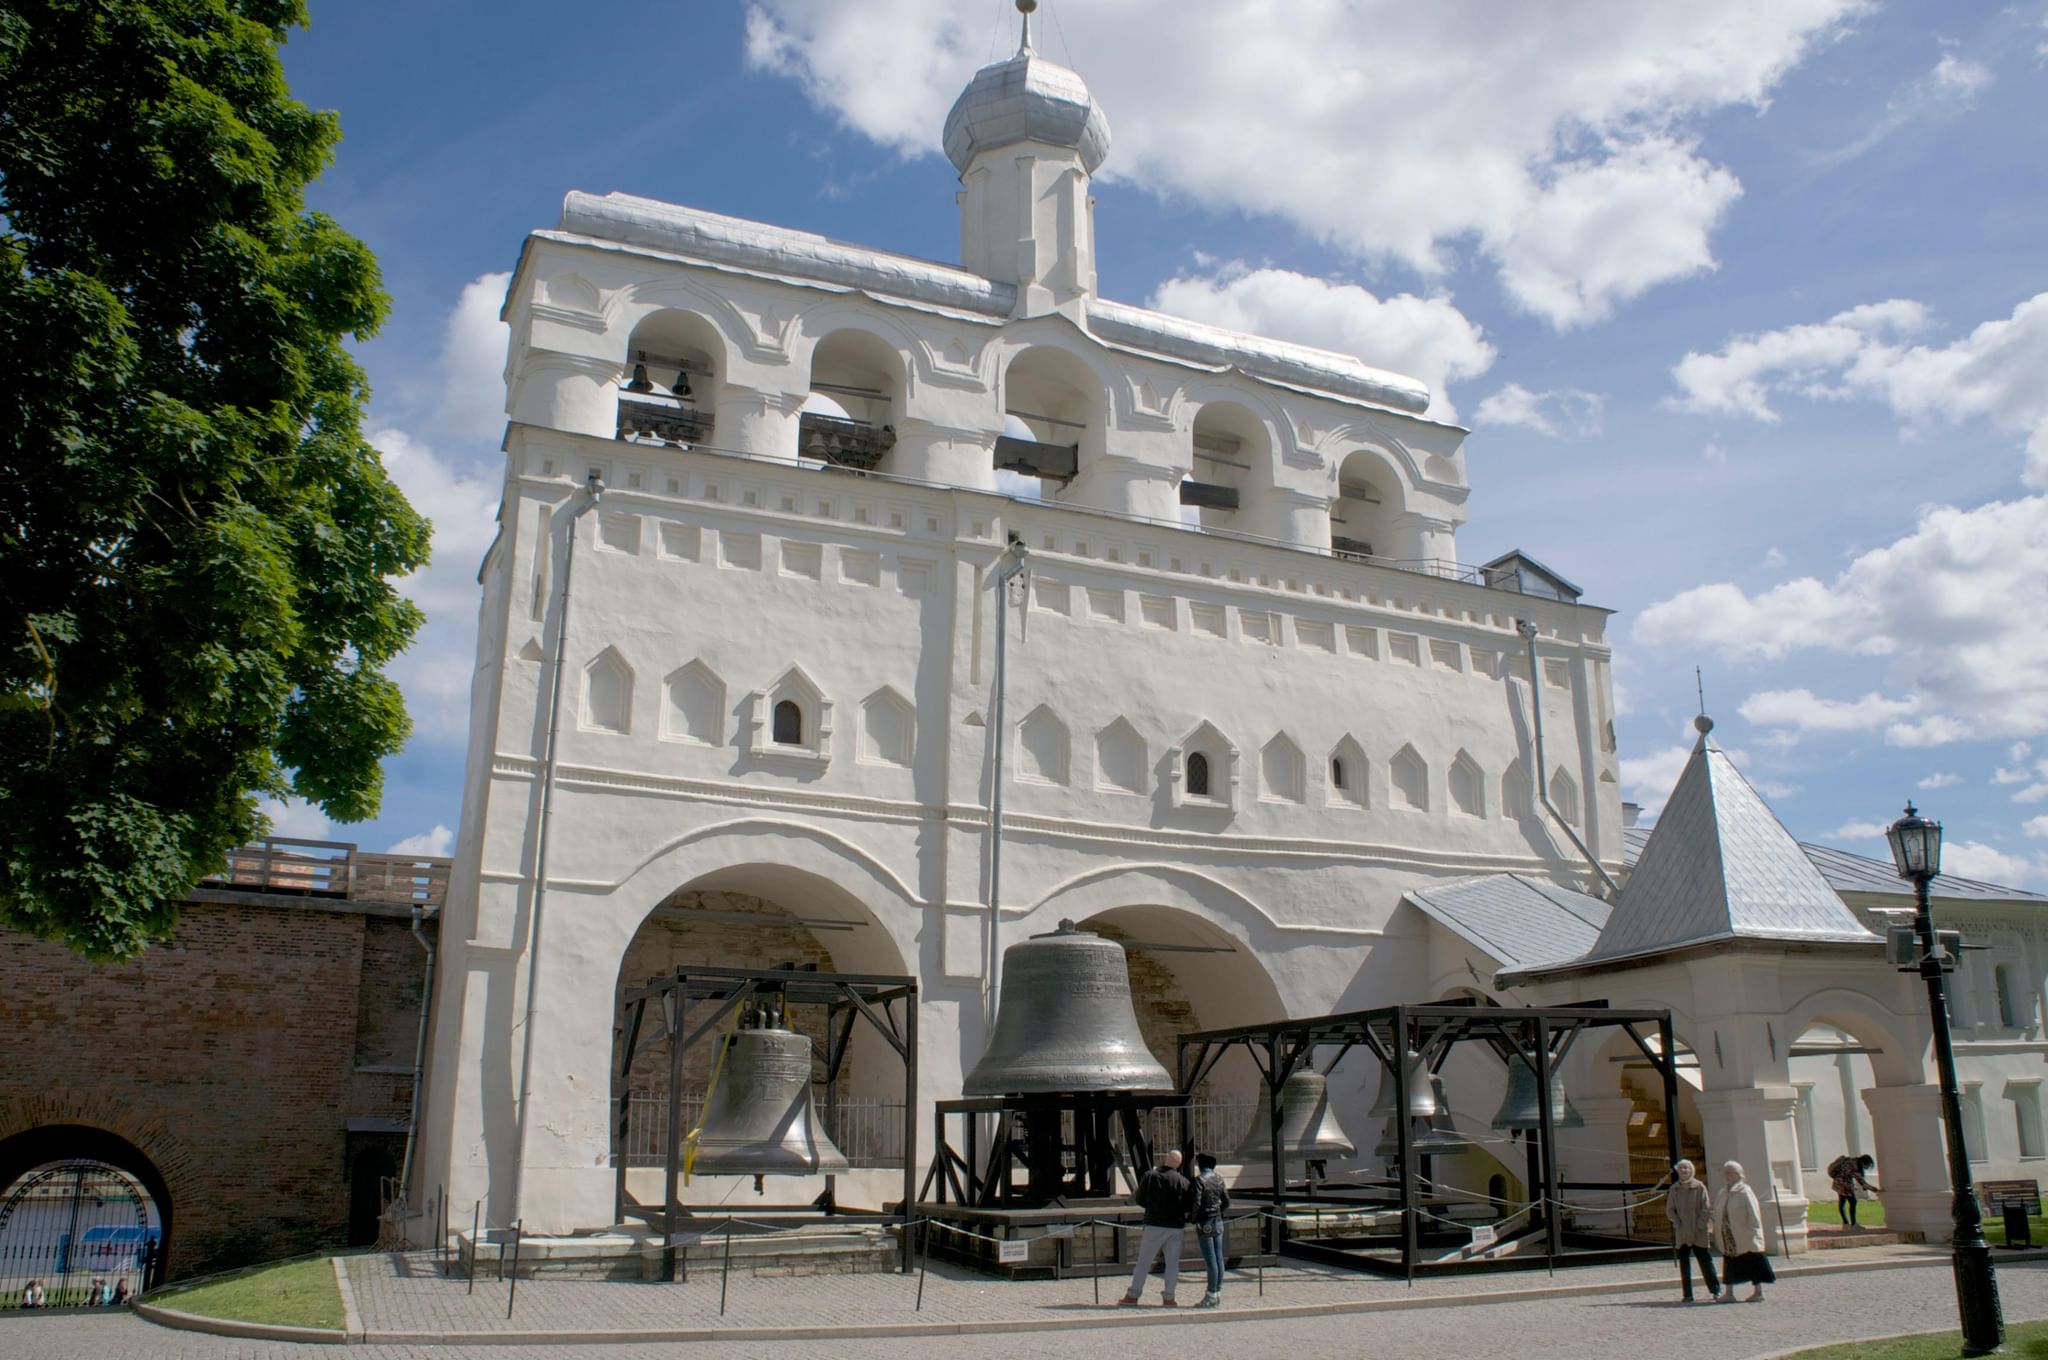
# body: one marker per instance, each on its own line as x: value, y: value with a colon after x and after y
x: 1058, y: 403
x: 85, y: 1216
x: 1187, y: 974
x: 669, y: 383
x: 856, y: 396
x: 760, y: 917
x: 1367, y: 506
x: 1232, y: 455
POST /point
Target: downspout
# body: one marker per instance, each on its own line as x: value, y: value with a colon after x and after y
x: 419, y: 1056
x: 595, y: 487
x: 1006, y: 568
x: 1541, y: 778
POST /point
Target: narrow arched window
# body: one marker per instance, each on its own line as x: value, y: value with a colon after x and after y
x: 1337, y: 773
x: 1198, y: 775
x: 789, y: 724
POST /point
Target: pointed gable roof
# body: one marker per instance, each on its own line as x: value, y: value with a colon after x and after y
x: 1720, y: 866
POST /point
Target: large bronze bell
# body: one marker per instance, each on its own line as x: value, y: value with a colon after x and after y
x: 1308, y: 1126
x: 1519, y: 1110
x: 1065, y: 1022
x: 1430, y: 1136
x: 1421, y: 1093
x: 761, y: 1120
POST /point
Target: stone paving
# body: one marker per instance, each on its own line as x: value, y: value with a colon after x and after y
x: 1568, y: 1324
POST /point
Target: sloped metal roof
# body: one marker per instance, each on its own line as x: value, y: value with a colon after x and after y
x: 1719, y: 865
x: 1519, y: 922
x: 1847, y: 871
x: 1026, y: 98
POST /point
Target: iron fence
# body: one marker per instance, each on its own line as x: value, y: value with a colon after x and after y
x: 77, y: 1234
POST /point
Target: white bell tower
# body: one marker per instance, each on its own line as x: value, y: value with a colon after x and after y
x: 1026, y: 137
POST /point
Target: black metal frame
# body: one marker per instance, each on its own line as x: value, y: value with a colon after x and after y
x: 848, y: 998
x: 985, y: 1177
x: 1539, y: 1034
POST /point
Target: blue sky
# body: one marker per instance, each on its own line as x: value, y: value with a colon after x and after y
x: 1746, y: 305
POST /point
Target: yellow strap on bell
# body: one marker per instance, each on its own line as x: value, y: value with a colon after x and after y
x: 718, y: 1068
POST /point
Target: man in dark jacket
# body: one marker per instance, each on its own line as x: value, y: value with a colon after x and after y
x: 1166, y: 1197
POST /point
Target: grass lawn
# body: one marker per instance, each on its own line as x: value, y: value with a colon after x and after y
x: 1869, y: 1214
x: 2029, y: 1339
x: 292, y: 1294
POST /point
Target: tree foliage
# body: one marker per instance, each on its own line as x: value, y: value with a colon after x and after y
x: 196, y: 544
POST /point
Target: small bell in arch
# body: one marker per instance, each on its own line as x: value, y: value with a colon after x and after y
x: 682, y: 385
x: 640, y: 381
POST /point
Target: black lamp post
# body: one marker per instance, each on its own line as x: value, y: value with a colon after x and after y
x: 1916, y: 850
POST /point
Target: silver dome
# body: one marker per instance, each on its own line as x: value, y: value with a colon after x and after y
x: 1026, y: 98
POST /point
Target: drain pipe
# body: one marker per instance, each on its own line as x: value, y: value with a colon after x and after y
x: 1015, y: 559
x: 419, y: 1056
x: 1541, y: 779
x: 595, y: 487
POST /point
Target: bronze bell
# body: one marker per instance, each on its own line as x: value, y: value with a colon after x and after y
x: 641, y: 382
x: 1519, y: 1110
x: 1430, y: 1136
x: 1421, y: 1093
x: 761, y: 1120
x: 682, y: 385
x: 1065, y: 1022
x: 1308, y: 1127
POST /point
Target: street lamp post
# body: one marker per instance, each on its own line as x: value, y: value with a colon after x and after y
x: 1916, y: 850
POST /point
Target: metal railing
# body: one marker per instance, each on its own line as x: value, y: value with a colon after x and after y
x: 335, y: 869
x: 869, y: 1132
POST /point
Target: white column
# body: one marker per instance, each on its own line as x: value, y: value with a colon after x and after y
x: 945, y: 454
x: 1912, y: 1161
x: 1753, y: 1126
x: 1300, y: 518
x: 574, y: 393
x: 1599, y: 1152
x: 751, y: 420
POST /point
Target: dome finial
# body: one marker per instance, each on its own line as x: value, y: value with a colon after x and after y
x: 1025, y: 8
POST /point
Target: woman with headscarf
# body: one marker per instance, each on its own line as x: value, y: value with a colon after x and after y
x: 1690, y: 1209
x: 1739, y: 1228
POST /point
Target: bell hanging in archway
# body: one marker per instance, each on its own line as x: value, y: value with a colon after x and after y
x: 1308, y: 1127
x: 1421, y: 1094
x: 1065, y: 1022
x: 640, y: 382
x: 761, y: 1120
x: 1519, y: 1110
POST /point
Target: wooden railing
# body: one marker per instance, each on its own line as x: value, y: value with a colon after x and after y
x: 333, y: 869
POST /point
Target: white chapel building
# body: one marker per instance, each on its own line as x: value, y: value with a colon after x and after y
x: 1257, y: 720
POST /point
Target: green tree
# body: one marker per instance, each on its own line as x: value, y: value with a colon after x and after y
x: 196, y: 544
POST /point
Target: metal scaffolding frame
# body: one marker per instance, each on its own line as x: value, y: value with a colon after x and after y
x: 1540, y: 1035
x: 849, y: 1000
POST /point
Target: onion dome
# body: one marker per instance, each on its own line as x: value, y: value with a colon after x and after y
x: 1026, y: 98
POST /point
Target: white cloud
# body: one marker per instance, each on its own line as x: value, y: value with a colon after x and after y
x: 1805, y: 711
x: 2005, y: 775
x: 1937, y: 605
x: 456, y: 480
x: 1959, y: 77
x: 1576, y: 175
x: 1989, y: 864
x: 1857, y: 831
x: 433, y: 844
x: 1423, y: 337
x: 295, y: 819
x: 1648, y: 780
x: 1940, y: 781
x: 2032, y: 793
x: 1993, y: 372
x: 2036, y: 827
x: 1567, y: 411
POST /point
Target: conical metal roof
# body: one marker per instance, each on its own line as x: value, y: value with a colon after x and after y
x: 1720, y: 866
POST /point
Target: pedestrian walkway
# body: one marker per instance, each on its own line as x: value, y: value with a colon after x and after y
x: 1591, y: 1315
x: 407, y: 1299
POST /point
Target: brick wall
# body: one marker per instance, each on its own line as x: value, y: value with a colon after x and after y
x: 227, y: 1055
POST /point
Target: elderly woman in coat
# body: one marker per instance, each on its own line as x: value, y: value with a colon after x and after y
x: 1689, y: 1207
x: 1739, y: 1228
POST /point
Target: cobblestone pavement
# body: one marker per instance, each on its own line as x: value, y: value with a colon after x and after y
x: 1566, y: 1325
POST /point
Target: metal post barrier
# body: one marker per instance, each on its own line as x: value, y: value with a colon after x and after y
x: 725, y: 1279
x: 476, y: 1220
x: 924, y: 1242
x: 513, y: 1292
x: 1095, y: 1248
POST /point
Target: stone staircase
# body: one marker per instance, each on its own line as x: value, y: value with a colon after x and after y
x: 1649, y: 1157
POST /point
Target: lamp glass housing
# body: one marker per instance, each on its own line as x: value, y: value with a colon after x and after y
x: 1916, y: 845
